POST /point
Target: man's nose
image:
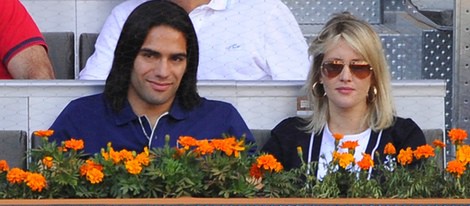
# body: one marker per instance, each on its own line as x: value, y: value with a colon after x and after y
x: 162, y: 67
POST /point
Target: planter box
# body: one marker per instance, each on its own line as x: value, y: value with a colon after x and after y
x: 237, y: 201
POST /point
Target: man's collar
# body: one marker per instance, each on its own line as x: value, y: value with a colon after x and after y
x: 124, y: 116
x: 177, y: 111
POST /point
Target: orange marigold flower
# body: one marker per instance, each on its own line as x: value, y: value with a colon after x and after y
x: 389, y: 149
x: 4, y: 166
x: 47, y: 161
x: 455, y: 167
x: 425, y: 151
x: 204, y: 147
x: 222, y: 145
x: 179, y: 152
x: 278, y: 167
x: 338, y: 136
x: 350, y: 145
x: 343, y: 159
x: 336, y: 155
x: 255, y: 171
x: 187, y: 141
x: 438, y: 143
x: 126, y: 155
x: 84, y: 169
x: 143, y: 159
x: 463, y: 154
x: 405, y: 157
x: 133, y: 167
x: 43, y: 133
x: 366, y: 163
x: 115, y: 156
x: 104, y: 154
x: 457, y: 135
x: 94, y: 176
x: 268, y: 162
x: 88, y: 166
x: 16, y: 175
x: 74, y: 144
x: 219, y: 144
x: 229, y: 146
x: 36, y: 181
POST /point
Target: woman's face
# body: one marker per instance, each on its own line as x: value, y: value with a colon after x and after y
x: 346, y: 86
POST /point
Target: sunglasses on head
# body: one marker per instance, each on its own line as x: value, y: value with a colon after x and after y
x: 360, y: 69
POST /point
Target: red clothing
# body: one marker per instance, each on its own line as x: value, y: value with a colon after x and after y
x: 17, y: 32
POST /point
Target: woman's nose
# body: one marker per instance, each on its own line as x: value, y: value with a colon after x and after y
x: 345, y: 74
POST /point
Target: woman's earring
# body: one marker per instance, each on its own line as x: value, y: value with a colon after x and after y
x: 315, y: 92
x: 372, y: 94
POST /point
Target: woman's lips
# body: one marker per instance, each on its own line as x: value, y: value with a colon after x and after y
x: 345, y: 90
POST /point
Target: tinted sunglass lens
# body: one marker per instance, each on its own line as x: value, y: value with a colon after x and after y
x: 360, y: 71
x: 332, y: 70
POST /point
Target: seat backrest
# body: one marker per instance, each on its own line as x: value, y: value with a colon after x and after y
x: 261, y: 136
x: 86, y: 47
x: 35, y: 141
x: 13, y: 147
x: 433, y: 134
x: 62, y: 53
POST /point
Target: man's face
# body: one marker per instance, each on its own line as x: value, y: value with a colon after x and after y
x: 158, y: 69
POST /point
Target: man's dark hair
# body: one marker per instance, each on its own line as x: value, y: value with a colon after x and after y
x: 136, y: 28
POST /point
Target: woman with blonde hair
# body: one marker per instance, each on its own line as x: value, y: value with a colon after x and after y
x: 349, y: 91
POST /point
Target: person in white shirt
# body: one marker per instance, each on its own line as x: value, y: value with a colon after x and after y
x: 238, y: 39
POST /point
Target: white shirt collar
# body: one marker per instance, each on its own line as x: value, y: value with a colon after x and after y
x: 217, y: 5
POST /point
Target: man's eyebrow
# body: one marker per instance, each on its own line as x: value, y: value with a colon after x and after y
x: 153, y: 52
x: 149, y: 51
x: 183, y: 54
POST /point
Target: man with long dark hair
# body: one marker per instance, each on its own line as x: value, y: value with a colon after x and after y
x: 151, y: 90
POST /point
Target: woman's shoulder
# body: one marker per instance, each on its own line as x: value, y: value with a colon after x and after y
x: 405, y: 132
x: 291, y: 121
x: 404, y: 123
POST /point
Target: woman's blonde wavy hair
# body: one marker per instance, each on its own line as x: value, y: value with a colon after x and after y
x: 362, y: 38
